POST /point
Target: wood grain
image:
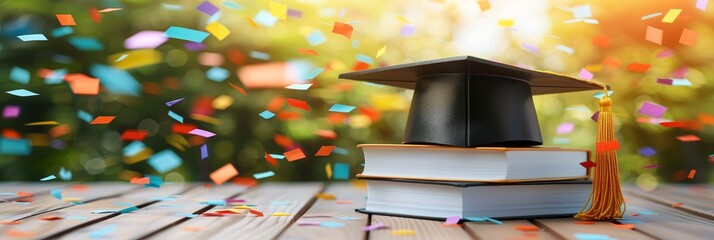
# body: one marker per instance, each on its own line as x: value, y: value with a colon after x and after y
x: 666, y: 222
x: 696, y: 200
x: 565, y: 228
x: 507, y: 230
x: 249, y: 226
x: 349, y: 196
x: 424, y: 229
x: 9, y: 190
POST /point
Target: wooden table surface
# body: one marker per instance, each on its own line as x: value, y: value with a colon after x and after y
x: 311, y: 211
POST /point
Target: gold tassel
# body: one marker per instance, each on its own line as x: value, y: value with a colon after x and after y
x: 605, y: 200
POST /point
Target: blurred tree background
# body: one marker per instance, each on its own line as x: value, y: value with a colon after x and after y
x: 648, y: 51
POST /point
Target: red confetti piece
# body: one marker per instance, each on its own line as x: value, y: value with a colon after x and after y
x: 51, y: 218
x: 692, y: 173
x: 689, y: 138
x: 526, y: 228
x: 94, y: 14
x: 672, y: 124
x: 360, y: 66
x: 271, y: 160
x: 584, y: 222
x: 60, y: 130
x: 138, y: 180
x: 65, y: 19
x: 674, y: 205
x: 212, y: 214
x: 256, y: 212
x: 625, y: 226
x: 240, y: 89
x: 226, y: 212
x: 102, y: 120
x: 607, y: 146
x: 343, y: 29
x: 298, y: 104
x: 326, y: 134
x: 10, y: 133
x: 245, y: 181
x: 9, y: 222
x: 638, y: 67
x: 236, y: 56
x: 601, y: 41
x: 324, y: 151
x: 588, y: 164
x: 308, y: 51
x: 283, y: 141
x: 134, y: 135
x: 294, y: 155
x: 183, y: 128
x: 372, y: 113
x: 289, y: 115
x: 275, y: 104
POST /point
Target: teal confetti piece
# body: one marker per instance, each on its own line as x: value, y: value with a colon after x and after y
x: 56, y: 77
x: 187, y: 215
x: 265, y: 18
x: 341, y: 171
x: 315, y: 38
x: 101, y: 211
x: 592, y: 236
x: 681, y: 82
x: 155, y: 181
x: 299, y: 86
x: 232, y: 5
x: 22, y: 93
x: 217, y: 74
x: 62, y: 31
x: 280, y: 203
x: 493, y: 220
x: 313, y: 73
x: 332, y: 224
x: 64, y: 174
x: 175, y: 116
x: 165, y: 161
x: 364, y: 58
x: 260, y: 55
x: 341, y: 151
x: 565, y: 49
x: 133, y: 148
x: 84, y: 116
x: 263, y: 175
x: 186, y: 34
x: 115, y: 80
x: 86, y: 43
x: 57, y: 193
x: 280, y: 156
x: 32, y: 37
x: 129, y: 209
x: 15, y: 147
x: 475, y: 219
x: 20, y: 75
x: 267, y: 114
x: 103, y: 232
x: 341, y: 108
x: 50, y: 177
x: 215, y: 202
x: 600, y: 95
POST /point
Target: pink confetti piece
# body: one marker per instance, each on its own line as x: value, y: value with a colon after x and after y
x: 565, y: 128
x: 145, y: 40
x: 202, y: 133
x: 452, y: 220
x: 652, y: 109
x: 585, y: 74
x: 374, y: 227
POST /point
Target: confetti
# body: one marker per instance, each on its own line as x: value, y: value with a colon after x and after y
x: 689, y: 138
x: 57, y: 193
x: 223, y: 174
x: 308, y: 223
x: 343, y: 29
x: 64, y: 174
x: 267, y: 114
x: 313, y: 73
x: 654, y: 35
x: 324, y: 151
x: 173, y: 102
x: 204, y: 151
x: 145, y: 40
x: 565, y: 49
x: 280, y: 214
x: 175, y: 116
x: 298, y: 104
x: 207, y: 8
x: 202, y: 133
x: 82, y: 84
x: 20, y: 75
x: 647, y: 151
x: 648, y: 16
x: 218, y: 30
x: 65, y: 19
x: 51, y: 218
x: 341, y: 108
x: 264, y: 18
x: 165, y: 161
x: 581, y: 12
x: 638, y: 67
x: 676, y: 124
x: 381, y: 51
x: 592, y: 236
x: 607, y: 146
x: 341, y: 171
x: 692, y: 173
x: 115, y: 80
x: 271, y: 160
x: 299, y: 86
x: 11, y: 111
x: 671, y: 15
x: 652, y: 109
x: 186, y: 34
x: 294, y: 155
x: 217, y: 74
x: 262, y: 175
x: 259, y: 55
x: 407, y: 30
x: 129, y: 209
x: 86, y: 43
x: 102, y: 120
x: 256, y: 212
x: 32, y: 37
x: 452, y: 220
x: 316, y: 38
x: 21, y: 93
x: 332, y: 224
x: 134, y: 135
x: 527, y: 228
x: 565, y: 128
x: 103, y: 232
x: 588, y: 164
x: 50, y: 177
x: 688, y: 37
x: 328, y: 171
x: 702, y: 4
x: 374, y: 226
x: 403, y: 232
x: 278, y: 10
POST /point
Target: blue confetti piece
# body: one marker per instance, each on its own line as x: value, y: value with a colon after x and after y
x: 173, y: 102
x: 646, y: 213
x: 493, y: 220
x: 332, y: 224
x: 625, y: 221
x: 56, y: 77
x: 600, y: 95
x: 341, y: 171
x: 263, y: 175
x: 129, y: 209
x: 582, y: 11
x: 341, y: 151
x: 647, y: 151
x: 565, y: 49
x: 165, y: 161
x: 20, y: 75
x: 217, y: 74
x: 260, y: 55
x: 313, y: 73
x: 277, y: 156
x: 103, y: 232
x: 175, y: 116
x: 204, y: 151
x: 592, y: 236
x: 299, y: 86
x: 681, y: 82
x: 65, y: 174
x: 186, y: 34
x: 155, y: 181
x: 62, y: 31
x: 15, y: 147
x: 215, y: 202
x: 349, y: 218
x: 267, y: 114
x: 32, y: 37
x: 265, y: 18
x: 75, y: 217
x: 475, y: 219
x: 133, y: 148
x: 355, y: 43
x: 280, y: 203
x: 316, y: 38
x: 50, y: 177
x: 57, y: 193
x: 187, y: 215
x: 84, y: 116
x: 232, y: 5
x: 364, y: 58
x: 116, y: 81
x: 172, y: 7
x: 341, y: 108
x: 22, y: 93
x: 86, y: 43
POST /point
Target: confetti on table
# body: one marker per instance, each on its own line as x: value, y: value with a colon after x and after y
x: 647, y: 151
x: 671, y: 15
x: 343, y: 29
x: 57, y: 193
x: 692, y: 173
x: 165, y: 161
x: 341, y: 108
x: 374, y: 226
x: 207, y: 8
x: 21, y: 93
x: 341, y: 171
x: 689, y: 138
x: 262, y: 175
x: 688, y: 37
x: 255, y: 212
x: 103, y: 232
x: 186, y: 34
x: 648, y: 16
x: 278, y: 10
x: 218, y: 30
x: 592, y: 236
x: 652, y: 109
x: 316, y: 38
x: 452, y: 220
x: 223, y: 174
x: 50, y: 177
x: 403, y: 232
x: 654, y: 35
x: 299, y: 86
x: 607, y: 146
x: 332, y: 224
x: 51, y: 218
x: 145, y: 40
x: 202, y: 133
x: 129, y: 209
x: 324, y: 151
x: 280, y: 214
x: 526, y: 228
x: 65, y: 19
x: 175, y: 116
x: 308, y: 223
x: 32, y: 37
x: 638, y: 67
x: 20, y: 75
x: 294, y: 155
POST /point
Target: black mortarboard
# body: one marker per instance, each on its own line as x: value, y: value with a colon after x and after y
x: 467, y: 101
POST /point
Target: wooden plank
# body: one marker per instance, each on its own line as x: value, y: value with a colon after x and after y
x: 507, y: 230
x: 688, y: 199
x: 249, y: 226
x: 349, y: 196
x: 46, y: 202
x: 423, y: 229
x: 9, y: 190
x: 78, y: 215
x: 157, y: 216
x: 666, y: 222
x: 567, y: 229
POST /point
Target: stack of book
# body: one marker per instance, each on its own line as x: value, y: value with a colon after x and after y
x: 436, y: 182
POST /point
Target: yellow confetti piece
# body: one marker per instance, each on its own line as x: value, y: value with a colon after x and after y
x: 177, y: 141
x: 381, y: 51
x: 671, y: 15
x: 403, y: 19
x: 278, y: 10
x: 238, y: 211
x: 242, y: 207
x: 328, y: 170
x: 204, y: 118
x: 218, y: 30
x: 135, y: 58
x: 326, y: 196
x: 280, y: 214
x: 222, y: 102
x: 593, y: 67
x: 45, y: 123
x: 72, y: 199
x: 403, y: 232
x: 251, y: 22
x: 506, y: 22
x: 141, y: 156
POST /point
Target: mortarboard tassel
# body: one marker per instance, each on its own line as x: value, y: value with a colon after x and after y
x: 605, y: 201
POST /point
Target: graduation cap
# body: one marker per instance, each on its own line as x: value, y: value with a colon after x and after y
x: 470, y: 102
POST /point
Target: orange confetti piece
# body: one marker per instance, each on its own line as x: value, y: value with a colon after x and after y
x: 326, y: 134
x: 624, y: 226
x: 271, y: 160
x: 51, y: 218
x: 138, y: 180
x: 607, y: 146
x: 134, y: 135
x: 298, y: 104
x: 18, y: 234
x: 343, y: 202
x: 343, y: 29
x: 638, y: 67
x: 94, y: 14
x: 705, y: 119
x: 251, y: 22
x: 326, y: 196
x: 212, y: 214
x: 82, y: 84
x: 289, y: 115
x: 245, y: 181
x: 193, y: 228
x: 294, y: 155
x: 102, y: 120
x: 236, y: 56
x: 183, y: 128
x: 283, y: 141
x: 692, y: 173
x: 66, y: 19
x: 223, y: 174
x: 360, y: 66
x: 79, y: 187
x: 256, y: 212
x: 372, y: 113
x: 584, y: 222
x: 688, y: 37
x: 324, y: 151
x: 654, y: 35
x: 689, y: 138
x: 601, y: 41
x: 10, y: 222
x: 612, y: 62
x: 526, y: 228
x: 60, y: 130
x: 10, y: 133
x: 674, y: 205
x: 672, y: 124
x: 308, y: 51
